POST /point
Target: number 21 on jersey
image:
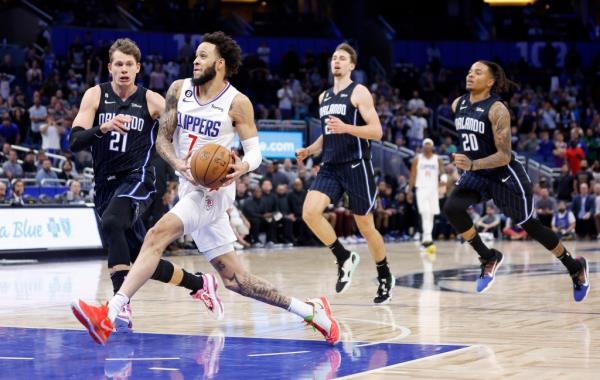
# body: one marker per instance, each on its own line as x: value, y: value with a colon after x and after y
x: 118, y: 142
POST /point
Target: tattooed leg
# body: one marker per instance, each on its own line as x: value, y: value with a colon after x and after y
x: 237, y: 279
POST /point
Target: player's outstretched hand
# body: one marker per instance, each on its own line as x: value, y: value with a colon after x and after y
x: 462, y: 162
x: 184, y: 168
x: 302, y: 154
x: 117, y: 124
x: 236, y: 169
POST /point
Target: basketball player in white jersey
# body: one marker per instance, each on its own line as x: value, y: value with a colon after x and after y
x: 425, y: 177
x: 200, y: 110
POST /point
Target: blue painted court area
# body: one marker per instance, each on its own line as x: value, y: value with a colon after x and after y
x: 62, y: 354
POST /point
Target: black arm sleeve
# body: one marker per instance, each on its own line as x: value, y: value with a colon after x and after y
x: 82, y: 138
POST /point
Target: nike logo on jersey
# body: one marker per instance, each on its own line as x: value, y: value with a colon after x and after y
x: 135, y: 105
x: 186, y: 100
x: 344, y: 96
x: 505, y: 179
x: 462, y: 108
x: 326, y: 99
x: 355, y: 165
x: 107, y: 102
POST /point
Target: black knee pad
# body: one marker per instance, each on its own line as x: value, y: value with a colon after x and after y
x: 541, y: 233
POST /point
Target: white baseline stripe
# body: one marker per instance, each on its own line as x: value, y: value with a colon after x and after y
x: 279, y: 353
x: 14, y: 358
x: 163, y: 369
x: 138, y: 359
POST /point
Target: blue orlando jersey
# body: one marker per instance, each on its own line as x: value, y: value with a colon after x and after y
x: 115, y: 153
x: 341, y: 148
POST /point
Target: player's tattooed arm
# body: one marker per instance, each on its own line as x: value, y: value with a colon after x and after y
x: 168, y: 124
x: 500, y: 118
x: 248, y: 285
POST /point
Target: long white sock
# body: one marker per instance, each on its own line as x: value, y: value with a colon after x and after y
x: 116, y: 304
x: 427, y: 219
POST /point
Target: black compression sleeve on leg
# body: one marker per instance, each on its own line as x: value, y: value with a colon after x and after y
x: 455, y: 208
x: 81, y: 138
x: 115, y: 223
x: 541, y: 233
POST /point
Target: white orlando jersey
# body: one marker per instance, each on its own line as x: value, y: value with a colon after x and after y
x: 199, y: 124
x: 428, y: 172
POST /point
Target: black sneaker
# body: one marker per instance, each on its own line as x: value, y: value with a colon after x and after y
x: 384, y: 291
x: 345, y: 272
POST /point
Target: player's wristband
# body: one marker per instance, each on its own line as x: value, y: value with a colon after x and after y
x: 471, y: 168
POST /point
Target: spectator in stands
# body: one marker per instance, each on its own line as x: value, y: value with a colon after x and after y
x: 3, y: 199
x: 583, y: 208
x: 574, y: 154
x: 597, y: 209
x: 74, y: 194
x: 416, y: 103
x: 9, y: 130
x: 37, y: 115
x: 445, y: 109
x: 29, y: 168
x: 584, y: 175
x: 385, y: 209
x: 289, y: 171
x: 513, y: 231
x: 286, y: 99
x: 41, y: 156
x: 563, y: 222
x: 67, y: 173
x: 51, y: 131
x: 46, y: 173
x: 560, y: 148
x: 252, y: 210
x: 18, y: 190
x: 545, y: 149
x: 548, y: 116
x: 564, y: 185
x: 545, y: 207
x: 12, y: 168
x: 488, y: 225
x: 158, y: 79
x: 274, y: 176
x: 296, y: 200
x: 285, y: 220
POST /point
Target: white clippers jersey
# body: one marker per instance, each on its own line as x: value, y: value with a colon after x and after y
x: 428, y: 172
x: 199, y: 124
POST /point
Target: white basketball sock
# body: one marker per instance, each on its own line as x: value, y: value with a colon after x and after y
x: 116, y: 304
x: 301, y: 309
x: 427, y: 221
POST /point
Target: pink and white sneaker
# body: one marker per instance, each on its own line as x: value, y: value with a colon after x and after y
x: 208, y: 295
x: 123, y: 322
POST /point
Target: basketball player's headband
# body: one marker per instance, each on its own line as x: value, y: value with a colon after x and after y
x: 428, y: 141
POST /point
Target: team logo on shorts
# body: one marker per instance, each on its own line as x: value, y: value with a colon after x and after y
x: 209, y: 203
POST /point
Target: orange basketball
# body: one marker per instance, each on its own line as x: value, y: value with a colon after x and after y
x: 210, y: 165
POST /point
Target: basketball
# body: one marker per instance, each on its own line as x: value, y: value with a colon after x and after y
x: 210, y: 165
